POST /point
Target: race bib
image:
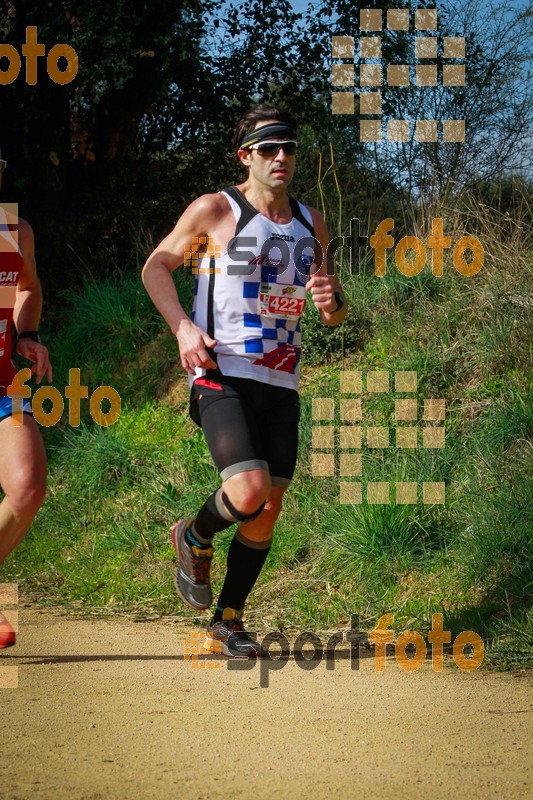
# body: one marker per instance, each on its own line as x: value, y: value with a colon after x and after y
x: 281, y: 301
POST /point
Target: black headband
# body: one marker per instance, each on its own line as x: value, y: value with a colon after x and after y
x: 277, y: 129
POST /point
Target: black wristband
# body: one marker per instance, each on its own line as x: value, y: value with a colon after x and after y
x: 339, y: 297
x: 29, y: 335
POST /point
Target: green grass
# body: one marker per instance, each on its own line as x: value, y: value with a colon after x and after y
x: 512, y: 645
x: 102, y: 536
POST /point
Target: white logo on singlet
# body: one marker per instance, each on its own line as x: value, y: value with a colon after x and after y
x: 9, y: 277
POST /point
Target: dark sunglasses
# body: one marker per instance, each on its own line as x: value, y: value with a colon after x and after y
x: 272, y: 148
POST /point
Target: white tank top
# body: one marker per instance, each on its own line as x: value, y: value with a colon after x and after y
x: 251, y: 297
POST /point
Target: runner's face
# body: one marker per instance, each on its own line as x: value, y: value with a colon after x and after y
x: 273, y: 171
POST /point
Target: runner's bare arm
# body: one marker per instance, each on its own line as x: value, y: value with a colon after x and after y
x: 28, y: 305
x: 325, y: 281
x: 196, y: 221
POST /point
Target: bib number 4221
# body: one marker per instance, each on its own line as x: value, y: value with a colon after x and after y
x: 286, y: 305
x: 282, y: 302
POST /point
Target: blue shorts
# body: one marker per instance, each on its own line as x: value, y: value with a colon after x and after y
x: 6, y: 407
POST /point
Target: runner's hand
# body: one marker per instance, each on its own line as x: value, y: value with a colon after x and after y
x: 37, y: 353
x: 322, y: 293
x: 193, y: 342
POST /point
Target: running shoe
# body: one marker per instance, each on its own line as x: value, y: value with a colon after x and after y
x: 229, y: 637
x: 7, y: 634
x: 192, y: 572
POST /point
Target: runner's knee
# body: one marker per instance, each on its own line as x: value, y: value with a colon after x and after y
x: 273, y: 507
x: 242, y: 513
x: 26, y: 494
x: 262, y: 528
x: 247, y: 492
x: 271, y: 510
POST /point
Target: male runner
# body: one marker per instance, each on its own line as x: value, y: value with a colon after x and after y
x: 241, y: 348
x: 22, y: 455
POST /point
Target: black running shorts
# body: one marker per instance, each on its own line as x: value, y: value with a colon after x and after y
x: 247, y: 425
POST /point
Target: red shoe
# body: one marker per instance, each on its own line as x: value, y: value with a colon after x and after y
x: 7, y: 634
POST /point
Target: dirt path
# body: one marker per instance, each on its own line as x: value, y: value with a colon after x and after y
x: 110, y: 709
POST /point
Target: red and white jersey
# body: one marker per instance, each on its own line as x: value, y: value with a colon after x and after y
x: 250, y: 298
x: 11, y: 263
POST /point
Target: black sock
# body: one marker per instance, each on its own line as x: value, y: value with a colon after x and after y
x: 245, y: 562
x: 209, y: 520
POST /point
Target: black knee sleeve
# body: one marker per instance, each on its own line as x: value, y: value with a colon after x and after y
x: 239, y: 516
x: 210, y: 520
